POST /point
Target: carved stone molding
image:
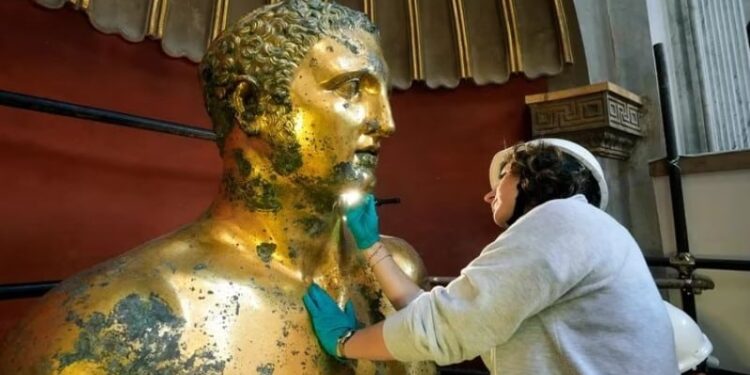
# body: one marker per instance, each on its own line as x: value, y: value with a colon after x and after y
x: 603, y: 117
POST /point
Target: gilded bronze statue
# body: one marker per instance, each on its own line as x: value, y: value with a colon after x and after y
x: 298, y: 95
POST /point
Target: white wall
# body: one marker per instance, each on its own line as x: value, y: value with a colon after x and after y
x: 682, y: 96
x: 717, y: 206
x: 657, y: 21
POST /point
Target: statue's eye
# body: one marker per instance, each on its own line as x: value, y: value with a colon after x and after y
x: 349, y: 89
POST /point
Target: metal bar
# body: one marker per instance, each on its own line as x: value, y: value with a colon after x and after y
x: 34, y: 103
x: 382, y: 201
x: 724, y: 264
x: 440, y: 280
x: 698, y: 284
x: 718, y: 371
x: 36, y: 289
x: 460, y: 371
x: 675, y: 180
x: 28, y: 290
x: 704, y: 263
x: 658, y: 262
x: 678, y: 206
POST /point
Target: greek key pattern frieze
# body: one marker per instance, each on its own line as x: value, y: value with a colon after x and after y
x: 623, y: 114
x: 605, y: 122
x: 577, y: 113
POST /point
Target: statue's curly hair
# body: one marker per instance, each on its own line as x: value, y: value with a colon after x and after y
x: 546, y: 173
x: 264, y: 48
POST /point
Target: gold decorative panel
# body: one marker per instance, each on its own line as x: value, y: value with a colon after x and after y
x: 440, y: 42
x: 603, y: 117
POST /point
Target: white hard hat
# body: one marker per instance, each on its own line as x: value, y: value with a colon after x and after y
x: 691, y: 345
x: 575, y: 150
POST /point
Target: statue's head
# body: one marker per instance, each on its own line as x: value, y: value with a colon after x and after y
x: 306, y: 83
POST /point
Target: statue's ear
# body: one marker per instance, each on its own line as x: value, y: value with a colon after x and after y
x: 244, y: 102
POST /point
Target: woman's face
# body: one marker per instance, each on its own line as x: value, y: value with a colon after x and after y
x: 502, y: 199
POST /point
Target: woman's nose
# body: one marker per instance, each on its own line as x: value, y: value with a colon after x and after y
x: 489, y: 197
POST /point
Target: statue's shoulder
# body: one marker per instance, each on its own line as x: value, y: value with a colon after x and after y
x: 69, y: 327
x: 71, y: 318
x: 407, y: 258
x: 141, y: 308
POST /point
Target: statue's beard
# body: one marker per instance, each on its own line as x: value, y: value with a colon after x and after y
x: 364, y: 169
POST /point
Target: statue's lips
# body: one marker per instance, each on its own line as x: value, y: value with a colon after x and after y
x: 366, y: 152
x: 366, y: 158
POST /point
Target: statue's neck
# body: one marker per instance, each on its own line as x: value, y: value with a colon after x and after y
x: 278, y: 228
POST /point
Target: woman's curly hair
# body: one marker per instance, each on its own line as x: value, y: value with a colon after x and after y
x: 546, y: 173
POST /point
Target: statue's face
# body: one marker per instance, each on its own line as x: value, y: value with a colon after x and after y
x: 340, y: 110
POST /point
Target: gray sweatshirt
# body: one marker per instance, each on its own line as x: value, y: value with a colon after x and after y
x: 564, y: 290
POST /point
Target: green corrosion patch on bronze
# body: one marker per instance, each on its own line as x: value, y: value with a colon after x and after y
x: 328, y: 365
x: 200, y: 267
x: 222, y: 124
x: 265, y: 369
x: 265, y: 251
x: 374, y: 298
x: 312, y: 225
x: 243, y: 166
x: 139, y: 336
x: 353, y: 48
x: 319, y: 196
x: 367, y: 161
x: 293, y: 252
x: 320, y: 193
x: 344, y: 172
x: 286, y: 158
x: 256, y: 193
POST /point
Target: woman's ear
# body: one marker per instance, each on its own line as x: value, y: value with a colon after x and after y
x: 244, y: 102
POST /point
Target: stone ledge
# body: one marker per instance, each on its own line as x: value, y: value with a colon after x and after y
x: 704, y: 163
x: 603, y: 117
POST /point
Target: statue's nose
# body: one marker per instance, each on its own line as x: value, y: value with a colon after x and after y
x: 386, y: 126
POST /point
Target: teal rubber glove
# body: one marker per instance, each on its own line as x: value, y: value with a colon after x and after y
x: 362, y: 221
x: 329, y: 322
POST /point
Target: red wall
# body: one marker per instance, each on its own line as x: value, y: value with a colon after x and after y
x: 437, y: 162
x: 77, y: 192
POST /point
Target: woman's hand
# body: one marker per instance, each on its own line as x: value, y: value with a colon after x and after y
x: 329, y: 322
x: 362, y: 220
x: 332, y: 325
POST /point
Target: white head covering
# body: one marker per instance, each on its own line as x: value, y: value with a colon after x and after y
x: 691, y: 345
x: 575, y: 150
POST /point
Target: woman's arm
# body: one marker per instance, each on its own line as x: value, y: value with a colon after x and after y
x: 397, y: 286
x: 368, y: 343
x: 362, y: 221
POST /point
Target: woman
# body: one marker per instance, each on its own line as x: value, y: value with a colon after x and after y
x: 563, y: 290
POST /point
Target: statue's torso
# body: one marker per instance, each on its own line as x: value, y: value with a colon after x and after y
x: 176, y: 307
